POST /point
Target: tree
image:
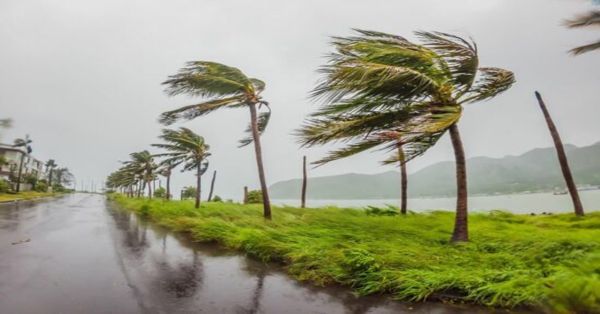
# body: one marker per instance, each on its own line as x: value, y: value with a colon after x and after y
x: 185, y: 147
x: 212, y: 185
x: 223, y: 86
x: 63, y: 176
x: 165, y: 170
x: 562, y: 157
x: 142, y: 165
x: 381, y: 90
x: 589, y: 19
x: 50, y: 165
x: 24, y: 144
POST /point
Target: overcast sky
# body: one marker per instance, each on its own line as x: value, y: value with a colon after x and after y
x: 83, y: 77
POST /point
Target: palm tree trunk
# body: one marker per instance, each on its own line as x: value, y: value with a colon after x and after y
x: 259, y: 162
x: 304, y: 182
x: 562, y: 158
x: 18, y: 189
x: 245, y: 195
x: 50, y: 180
x: 212, y: 185
x: 149, y: 189
x: 168, y: 196
x: 461, y: 223
x: 403, y: 181
x: 198, y: 175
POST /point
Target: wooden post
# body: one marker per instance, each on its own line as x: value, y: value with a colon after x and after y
x: 245, y: 195
x: 304, y: 179
x: 212, y: 185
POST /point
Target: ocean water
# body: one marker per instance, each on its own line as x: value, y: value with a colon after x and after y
x: 516, y: 203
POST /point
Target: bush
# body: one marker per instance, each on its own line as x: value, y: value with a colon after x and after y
x: 217, y: 198
x: 4, y: 186
x: 188, y: 192
x: 160, y: 192
x: 255, y: 197
x: 41, y: 186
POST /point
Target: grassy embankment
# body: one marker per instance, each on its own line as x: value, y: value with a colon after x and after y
x: 28, y: 195
x: 550, y: 262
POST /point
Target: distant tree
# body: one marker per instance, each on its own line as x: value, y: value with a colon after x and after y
x: 222, y: 87
x: 50, y: 165
x: 142, y: 165
x: 64, y: 176
x: 185, y: 147
x: 377, y: 83
x: 188, y: 192
x: 166, y: 170
x: 24, y: 144
x: 589, y: 19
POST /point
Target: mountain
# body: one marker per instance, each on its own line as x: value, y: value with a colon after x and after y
x: 536, y: 170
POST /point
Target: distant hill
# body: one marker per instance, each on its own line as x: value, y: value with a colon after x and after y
x: 536, y: 170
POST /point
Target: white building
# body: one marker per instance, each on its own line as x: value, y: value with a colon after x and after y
x: 13, y: 156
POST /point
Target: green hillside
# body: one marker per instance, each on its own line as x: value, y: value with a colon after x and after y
x: 536, y: 170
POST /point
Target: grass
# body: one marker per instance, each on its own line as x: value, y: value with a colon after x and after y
x: 545, y: 262
x: 28, y: 195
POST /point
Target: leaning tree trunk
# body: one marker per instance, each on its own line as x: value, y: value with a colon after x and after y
x: 259, y: 162
x: 304, y: 179
x: 198, y: 176
x: 461, y: 223
x: 403, y: 181
x: 149, y: 189
x: 18, y: 189
x: 168, y: 196
x: 562, y: 158
x: 212, y: 185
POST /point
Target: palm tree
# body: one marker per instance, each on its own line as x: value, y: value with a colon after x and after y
x: 24, y: 143
x: 143, y: 166
x: 50, y: 165
x: 165, y: 170
x: 63, y: 176
x: 223, y: 86
x: 377, y: 83
x: 187, y: 148
x: 562, y: 157
x: 589, y: 19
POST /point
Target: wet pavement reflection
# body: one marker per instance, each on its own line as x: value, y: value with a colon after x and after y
x: 85, y: 255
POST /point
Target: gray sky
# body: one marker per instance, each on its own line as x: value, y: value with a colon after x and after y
x: 83, y: 77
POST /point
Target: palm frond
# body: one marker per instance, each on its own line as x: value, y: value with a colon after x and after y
x: 585, y: 48
x: 192, y: 111
x: 583, y: 20
x: 207, y: 79
x: 262, y: 122
x: 491, y: 82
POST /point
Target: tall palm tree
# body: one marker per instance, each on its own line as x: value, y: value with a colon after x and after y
x: 24, y: 144
x: 185, y: 147
x: 50, y: 165
x: 589, y: 19
x: 382, y: 90
x: 223, y: 86
x: 562, y: 157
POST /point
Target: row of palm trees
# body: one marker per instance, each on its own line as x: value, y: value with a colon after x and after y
x: 180, y: 147
x: 379, y: 91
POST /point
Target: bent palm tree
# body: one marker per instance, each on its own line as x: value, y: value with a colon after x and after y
x: 381, y: 90
x: 222, y: 87
x: 143, y: 166
x: 592, y: 19
x: 50, y: 165
x: 24, y: 143
x: 165, y: 170
x: 187, y: 148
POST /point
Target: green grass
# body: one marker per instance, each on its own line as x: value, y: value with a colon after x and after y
x: 28, y: 195
x: 546, y: 262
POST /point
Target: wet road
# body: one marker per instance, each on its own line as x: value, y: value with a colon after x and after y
x: 84, y: 256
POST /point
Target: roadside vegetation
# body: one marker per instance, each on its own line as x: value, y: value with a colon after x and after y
x: 27, y: 195
x: 546, y: 262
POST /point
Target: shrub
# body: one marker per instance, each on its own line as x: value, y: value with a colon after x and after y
x: 217, y: 198
x: 188, y: 192
x: 4, y: 186
x: 160, y: 192
x: 41, y: 186
x: 255, y: 197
